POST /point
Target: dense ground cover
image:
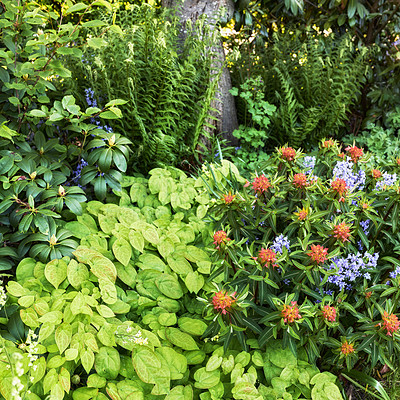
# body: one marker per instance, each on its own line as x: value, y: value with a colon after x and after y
x: 271, y: 276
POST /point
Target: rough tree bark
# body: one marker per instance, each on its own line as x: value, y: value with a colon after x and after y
x: 224, y: 103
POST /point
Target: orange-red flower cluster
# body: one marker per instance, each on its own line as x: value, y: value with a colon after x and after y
x: 220, y: 238
x: 288, y: 153
x: 328, y: 143
x: 318, y: 254
x: 391, y: 323
x: 261, y: 184
x: 398, y: 161
x: 376, y: 173
x: 300, y: 181
x: 329, y: 313
x: 355, y: 153
x: 339, y: 186
x: 222, y: 301
x: 342, y: 232
x: 267, y: 257
x: 302, y: 214
x: 290, y: 313
x: 347, y: 348
x: 228, y: 198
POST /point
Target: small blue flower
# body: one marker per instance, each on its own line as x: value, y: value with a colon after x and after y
x: 387, y: 181
x: 279, y: 243
x: 309, y: 164
x: 354, y: 180
x: 394, y: 273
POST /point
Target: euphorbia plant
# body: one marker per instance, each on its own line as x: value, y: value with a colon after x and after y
x: 333, y: 281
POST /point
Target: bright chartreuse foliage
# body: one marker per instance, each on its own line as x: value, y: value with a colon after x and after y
x: 121, y: 318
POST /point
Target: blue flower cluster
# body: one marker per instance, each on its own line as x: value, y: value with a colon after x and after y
x: 365, y: 225
x: 387, y: 181
x: 354, y: 180
x: 394, y: 273
x: 76, y: 174
x: 92, y: 102
x: 352, y: 267
x: 309, y: 164
x: 279, y: 243
x: 89, y: 96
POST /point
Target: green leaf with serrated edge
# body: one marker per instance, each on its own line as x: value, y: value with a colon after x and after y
x: 39, y: 370
x: 181, y: 339
x: 108, y: 291
x: 180, y: 393
x: 101, y: 266
x: 151, y: 235
x: 206, y: 380
x: 136, y: 239
x: 194, y: 282
x: 87, y: 359
x: 45, y: 331
x: 64, y: 379
x: 63, y: 336
x: 30, y: 318
x: 77, y: 273
x: 177, y: 363
x: 195, y: 327
x: 213, y: 363
x: 15, y: 289
x: 107, y: 362
x: 179, y: 264
x: 169, y: 286
x: 71, y: 354
x: 57, y: 392
x: 146, y: 364
x: 56, y: 272
x: 122, y: 251
x: 50, y: 380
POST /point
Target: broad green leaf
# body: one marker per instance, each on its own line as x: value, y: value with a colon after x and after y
x: 179, y: 264
x: 181, y: 339
x: 176, y: 362
x: 15, y: 289
x: 167, y: 319
x: 96, y: 381
x: 45, y: 331
x: 77, y: 273
x: 107, y: 362
x: 151, y: 235
x: 206, y: 380
x: 57, y: 392
x: 136, y: 239
x: 56, y: 272
x: 180, y: 393
x: 87, y: 359
x: 101, y: 266
x: 127, y: 274
x: 213, y: 363
x: 63, y: 336
x: 195, y: 327
x: 76, y: 7
x: 30, y: 318
x: 194, y: 282
x: 108, y: 291
x: 169, y: 286
x: 146, y: 364
x: 122, y: 251
x: 64, y: 379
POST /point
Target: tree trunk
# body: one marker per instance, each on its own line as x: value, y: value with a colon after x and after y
x: 224, y: 102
